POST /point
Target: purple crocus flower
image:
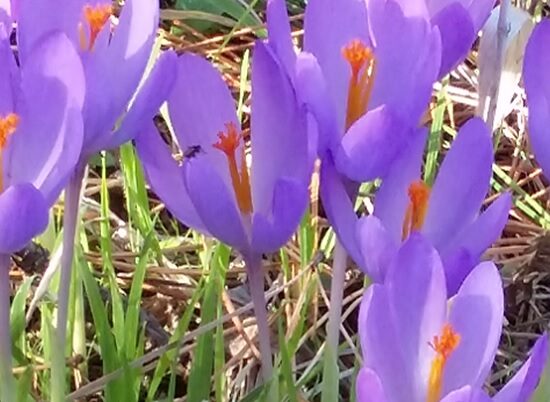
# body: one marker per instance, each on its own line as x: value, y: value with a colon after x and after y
x: 537, y: 88
x: 458, y: 21
x: 447, y: 213
x: 212, y: 190
x: 114, y: 60
x: 41, y: 136
x: 366, y: 75
x: 420, y: 347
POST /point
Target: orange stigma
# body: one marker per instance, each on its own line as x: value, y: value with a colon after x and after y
x: 96, y: 17
x: 228, y: 143
x: 419, y: 195
x: 443, y: 346
x: 8, y: 125
x: 363, y: 64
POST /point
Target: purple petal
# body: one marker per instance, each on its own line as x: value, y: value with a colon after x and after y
x: 467, y: 394
x: 457, y: 35
x: 380, y: 340
x: 474, y: 240
x: 408, y: 51
x: 23, y: 215
x: 9, y: 76
x: 371, y: 144
x: 377, y: 247
x: 150, y: 97
x: 537, y: 87
x: 271, y: 231
x: 410, y: 8
x: 478, y: 10
x: 392, y: 198
x: 215, y: 203
x: 339, y: 209
x: 279, y: 34
x: 279, y: 131
x: 368, y: 387
x: 200, y: 106
x: 523, y: 384
x: 416, y: 287
x: 461, y: 184
x: 114, y: 72
x: 38, y: 18
x: 47, y: 145
x: 476, y: 315
x: 166, y: 178
x: 328, y: 27
x: 312, y: 90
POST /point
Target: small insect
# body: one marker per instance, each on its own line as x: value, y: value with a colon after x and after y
x: 192, y: 151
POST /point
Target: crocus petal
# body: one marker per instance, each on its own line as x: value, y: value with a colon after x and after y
x: 537, y: 87
x: 368, y: 387
x: 457, y: 35
x: 9, y: 76
x: 279, y: 131
x: 522, y: 385
x: 23, y: 215
x: 380, y: 345
x: 416, y: 287
x: 408, y: 52
x: 279, y: 34
x: 328, y: 27
x: 38, y: 18
x: 270, y: 232
x: 339, y: 208
x: 467, y: 394
x: 371, y: 144
x: 114, y: 72
x: 214, y: 203
x: 312, y: 90
x: 47, y: 144
x: 200, y: 106
x: 474, y: 240
x: 377, y: 248
x: 461, y: 184
x: 165, y: 177
x: 476, y: 315
x: 392, y: 198
x: 150, y: 97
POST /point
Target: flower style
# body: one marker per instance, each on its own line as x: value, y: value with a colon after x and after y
x: 212, y: 190
x: 40, y: 134
x: 537, y: 88
x: 366, y: 81
x: 458, y: 22
x: 420, y: 347
x: 114, y: 60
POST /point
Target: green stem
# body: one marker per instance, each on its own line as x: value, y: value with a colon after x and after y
x: 256, y: 284
x: 330, y: 359
x: 70, y: 220
x: 6, y: 377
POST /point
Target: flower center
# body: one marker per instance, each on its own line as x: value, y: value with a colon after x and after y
x: 96, y: 17
x: 444, y: 345
x: 363, y: 67
x: 8, y: 125
x: 228, y: 143
x: 419, y: 196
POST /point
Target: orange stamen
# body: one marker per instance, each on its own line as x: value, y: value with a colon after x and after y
x: 363, y: 65
x: 96, y: 17
x: 8, y: 125
x: 228, y: 143
x: 419, y: 195
x: 444, y: 346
